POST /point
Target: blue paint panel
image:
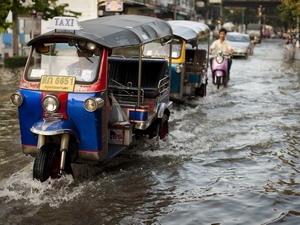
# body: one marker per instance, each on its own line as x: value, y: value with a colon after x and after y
x: 29, y: 113
x: 194, y: 78
x: 137, y: 115
x: 88, y: 124
x: 175, y: 80
x: 47, y: 128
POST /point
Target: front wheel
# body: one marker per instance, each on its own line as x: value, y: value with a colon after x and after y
x: 218, y: 82
x: 47, y: 163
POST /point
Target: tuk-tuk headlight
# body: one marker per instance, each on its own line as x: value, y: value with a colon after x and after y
x: 92, y: 104
x: 50, y: 103
x: 178, y: 68
x: 16, y: 99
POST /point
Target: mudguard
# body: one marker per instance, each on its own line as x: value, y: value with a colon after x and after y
x: 54, y: 127
x: 219, y: 73
x: 161, y: 109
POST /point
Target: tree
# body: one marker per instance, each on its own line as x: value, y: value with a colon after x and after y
x: 5, y: 6
x: 293, y: 6
x: 290, y: 12
x: 46, y: 8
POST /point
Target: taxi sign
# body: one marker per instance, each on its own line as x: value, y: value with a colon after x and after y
x: 57, y: 83
x: 64, y: 23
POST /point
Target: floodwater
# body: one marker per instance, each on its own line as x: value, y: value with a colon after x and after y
x: 232, y: 157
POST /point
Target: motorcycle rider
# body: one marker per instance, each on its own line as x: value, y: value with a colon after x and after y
x: 290, y: 46
x: 290, y: 40
x: 221, y: 45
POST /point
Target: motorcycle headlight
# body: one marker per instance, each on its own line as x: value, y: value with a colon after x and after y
x: 219, y: 59
x: 16, y: 99
x: 50, y: 103
x: 92, y: 104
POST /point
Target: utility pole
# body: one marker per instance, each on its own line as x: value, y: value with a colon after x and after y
x: 298, y: 33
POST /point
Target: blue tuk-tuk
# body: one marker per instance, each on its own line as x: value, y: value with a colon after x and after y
x: 190, y: 48
x: 79, y: 104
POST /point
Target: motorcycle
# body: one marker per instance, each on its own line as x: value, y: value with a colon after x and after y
x: 79, y: 104
x: 219, y: 69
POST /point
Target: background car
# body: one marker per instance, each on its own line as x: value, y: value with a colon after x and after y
x: 241, y: 44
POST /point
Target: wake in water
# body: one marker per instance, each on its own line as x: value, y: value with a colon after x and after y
x: 21, y: 186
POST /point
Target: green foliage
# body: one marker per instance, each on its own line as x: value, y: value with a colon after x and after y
x: 48, y: 10
x: 289, y: 12
x: 292, y: 6
x: 15, y: 61
x: 5, y: 6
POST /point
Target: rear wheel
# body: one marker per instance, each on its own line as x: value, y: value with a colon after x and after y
x: 201, y: 91
x: 47, y: 163
x: 163, y: 128
x: 160, y: 128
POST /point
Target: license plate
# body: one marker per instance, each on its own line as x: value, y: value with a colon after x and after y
x: 57, y: 83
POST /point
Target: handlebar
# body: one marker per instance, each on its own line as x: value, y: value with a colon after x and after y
x: 227, y: 55
x: 224, y: 55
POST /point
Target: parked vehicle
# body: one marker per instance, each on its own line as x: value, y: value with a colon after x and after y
x: 255, y: 32
x: 189, y: 58
x: 219, y: 69
x: 241, y: 44
x: 77, y: 104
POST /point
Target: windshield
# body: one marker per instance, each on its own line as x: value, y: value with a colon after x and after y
x: 61, y: 59
x: 155, y: 49
x: 237, y: 38
x: 253, y: 32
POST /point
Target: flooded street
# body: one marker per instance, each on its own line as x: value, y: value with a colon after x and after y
x: 232, y: 157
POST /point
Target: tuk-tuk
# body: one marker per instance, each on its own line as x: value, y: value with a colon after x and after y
x: 190, y: 48
x: 79, y: 104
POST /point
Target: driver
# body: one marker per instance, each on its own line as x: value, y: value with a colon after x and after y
x: 221, y: 45
x: 84, y: 68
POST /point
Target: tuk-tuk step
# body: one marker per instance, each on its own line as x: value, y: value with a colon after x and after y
x: 114, y: 150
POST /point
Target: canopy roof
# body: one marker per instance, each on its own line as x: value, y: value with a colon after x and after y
x: 116, y: 31
x: 189, y: 30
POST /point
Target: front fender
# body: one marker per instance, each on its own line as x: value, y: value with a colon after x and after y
x: 219, y: 73
x: 54, y: 127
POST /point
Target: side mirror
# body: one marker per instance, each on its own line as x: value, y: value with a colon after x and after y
x: 42, y: 49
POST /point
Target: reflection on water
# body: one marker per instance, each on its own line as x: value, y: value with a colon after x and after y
x: 11, y: 157
x: 231, y: 158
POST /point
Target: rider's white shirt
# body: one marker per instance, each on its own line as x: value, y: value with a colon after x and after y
x: 225, y: 47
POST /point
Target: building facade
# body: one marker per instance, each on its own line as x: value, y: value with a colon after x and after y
x: 32, y: 25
